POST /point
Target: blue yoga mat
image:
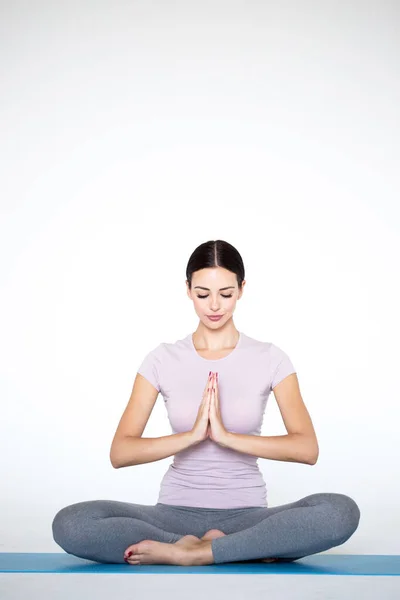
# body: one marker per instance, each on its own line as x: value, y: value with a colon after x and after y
x: 318, y: 564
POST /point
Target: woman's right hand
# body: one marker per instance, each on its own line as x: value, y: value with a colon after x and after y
x: 199, y: 430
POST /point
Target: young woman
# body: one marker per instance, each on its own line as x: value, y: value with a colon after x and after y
x: 212, y: 506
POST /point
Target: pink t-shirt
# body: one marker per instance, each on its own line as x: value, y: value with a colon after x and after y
x: 208, y: 475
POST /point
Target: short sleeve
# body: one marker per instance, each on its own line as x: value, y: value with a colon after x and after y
x: 283, y: 366
x: 150, y: 368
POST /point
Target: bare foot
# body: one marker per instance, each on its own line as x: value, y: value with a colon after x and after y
x: 212, y: 534
x: 267, y: 560
x: 187, y: 541
x: 149, y: 552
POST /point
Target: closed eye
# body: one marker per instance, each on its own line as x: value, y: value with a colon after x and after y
x: 230, y: 296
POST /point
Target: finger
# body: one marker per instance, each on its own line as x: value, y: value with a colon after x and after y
x: 209, y: 379
x: 216, y: 386
x: 208, y: 384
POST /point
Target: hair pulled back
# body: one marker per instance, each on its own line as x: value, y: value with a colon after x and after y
x: 215, y: 253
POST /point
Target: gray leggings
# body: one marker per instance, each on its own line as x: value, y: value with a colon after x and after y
x: 101, y: 530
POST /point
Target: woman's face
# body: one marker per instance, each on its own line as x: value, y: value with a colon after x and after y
x: 214, y: 291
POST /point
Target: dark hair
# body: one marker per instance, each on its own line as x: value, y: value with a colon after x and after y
x: 215, y: 253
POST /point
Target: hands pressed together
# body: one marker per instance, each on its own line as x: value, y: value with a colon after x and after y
x: 216, y: 430
x: 209, y: 421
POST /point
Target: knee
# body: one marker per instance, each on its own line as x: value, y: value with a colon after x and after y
x: 61, y: 526
x: 347, y: 514
x: 66, y: 526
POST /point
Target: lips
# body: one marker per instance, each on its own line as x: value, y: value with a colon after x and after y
x: 215, y: 317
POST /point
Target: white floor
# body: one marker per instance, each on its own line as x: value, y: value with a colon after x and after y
x: 54, y: 586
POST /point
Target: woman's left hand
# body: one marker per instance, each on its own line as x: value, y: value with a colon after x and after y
x: 216, y: 429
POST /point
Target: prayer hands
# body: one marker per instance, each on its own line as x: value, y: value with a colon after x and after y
x: 216, y: 430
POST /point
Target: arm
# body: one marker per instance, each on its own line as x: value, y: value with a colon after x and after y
x: 128, y: 448
x: 137, y: 450
x: 298, y: 445
x: 292, y: 447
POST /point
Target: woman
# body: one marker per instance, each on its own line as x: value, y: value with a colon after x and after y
x: 212, y: 505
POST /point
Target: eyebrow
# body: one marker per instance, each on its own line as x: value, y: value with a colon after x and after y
x: 208, y: 289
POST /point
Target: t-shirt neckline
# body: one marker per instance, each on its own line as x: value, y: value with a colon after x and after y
x: 214, y: 359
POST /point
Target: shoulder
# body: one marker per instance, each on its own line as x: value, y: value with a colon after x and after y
x: 155, y: 353
x: 277, y: 352
x: 165, y: 350
x: 150, y: 364
x: 272, y: 357
x: 266, y: 349
x: 281, y: 364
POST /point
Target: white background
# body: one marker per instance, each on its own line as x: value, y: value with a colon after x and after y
x: 132, y: 132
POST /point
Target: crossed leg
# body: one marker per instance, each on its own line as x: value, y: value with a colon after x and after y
x: 312, y: 524
x: 213, y: 534
x: 102, y: 530
x: 288, y: 532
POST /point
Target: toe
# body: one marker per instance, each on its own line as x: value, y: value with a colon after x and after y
x: 130, y: 551
x: 268, y: 560
x: 212, y: 534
